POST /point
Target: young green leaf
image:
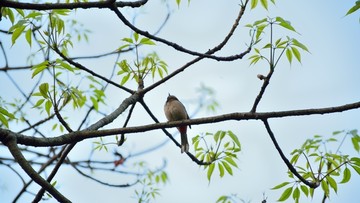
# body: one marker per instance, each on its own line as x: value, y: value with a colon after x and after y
x: 289, y: 55
x: 17, y: 32
x: 44, y: 90
x: 332, y: 183
x: 264, y: 3
x: 286, y: 194
x: 234, y: 138
x: 296, y: 53
x: 280, y: 185
x: 125, y: 79
x: 221, y: 170
x: 300, y: 45
x: 254, y: 3
x: 305, y: 190
x: 210, y: 171
x: 296, y: 194
x: 48, y: 106
x: 346, y: 175
x: 354, y: 8
x: 39, y: 68
x: 28, y: 36
x: 285, y: 24
x: 227, y: 167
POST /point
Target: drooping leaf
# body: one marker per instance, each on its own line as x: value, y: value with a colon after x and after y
x: 286, y: 194
x: 264, y: 3
x: 332, y: 183
x: 16, y: 33
x: 289, y: 55
x: 254, y: 3
x: 210, y: 171
x: 234, y: 138
x: 296, y: 53
x: 346, y: 175
x: 221, y: 170
x: 44, y: 89
x: 295, y: 42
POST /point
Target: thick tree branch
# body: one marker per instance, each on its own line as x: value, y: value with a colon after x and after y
x: 93, y: 131
x: 75, y: 5
x: 10, y: 142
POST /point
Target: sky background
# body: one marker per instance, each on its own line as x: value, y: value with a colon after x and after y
x: 328, y: 76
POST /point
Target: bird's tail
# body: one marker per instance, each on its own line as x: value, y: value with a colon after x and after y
x: 184, y: 143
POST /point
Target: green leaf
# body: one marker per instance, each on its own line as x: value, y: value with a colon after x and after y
x: 4, y: 121
x: 125, y: 79
x: 95, y: 103
x: 33, y: 14
x: 234, y: 138
x: 39, y: 68
x: 28, y: 36
x: 355, y: 142
x: 6, y: 113
x: 227, y: 167
x: 231, y: 161
x: 147, y: 41
x: 354, y: 8
x: 300, y: 45
x: 264, y: 3
x: 285, y: 24
x: 296, y: 194
x: 210, y: 171
x: 332, y: 183
x: 355, y: 160
x: 17, y: 32
x: 286, y: 194
x: 136, y: 36
x: 280, y: 185
x: 325, y: 187
x: 296, y: 53
x: 304, y: 189
x: 254, y: 3
x: 259, y: 31
x: 44, y: 89
x: 129, y: 40
x: 289, y: 55
x: 48, y: 106
x: 38, y: 103
x: 356, y: 168
x: 346, y: 175
x: 221, y: 170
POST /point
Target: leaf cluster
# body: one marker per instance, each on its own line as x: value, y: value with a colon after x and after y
x: 289, y: 46
x: 222, y: 153
x: 141, y: 67
x: 332, y: 167
x: 149, y: 189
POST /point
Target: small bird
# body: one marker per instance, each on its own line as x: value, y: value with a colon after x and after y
x: 175, y: 111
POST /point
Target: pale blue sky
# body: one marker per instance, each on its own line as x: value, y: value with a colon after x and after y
x: 329, y: 76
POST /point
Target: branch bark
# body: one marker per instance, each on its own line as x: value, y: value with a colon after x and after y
x: 92, y: 131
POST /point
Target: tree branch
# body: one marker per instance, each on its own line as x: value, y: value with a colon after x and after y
x: 92, y: 131
x: 286, y: 161
x: 10, y: 142
x: 207, y: 54
x: 75, y: 5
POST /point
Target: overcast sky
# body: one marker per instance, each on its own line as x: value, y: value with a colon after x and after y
x: 328, y: 76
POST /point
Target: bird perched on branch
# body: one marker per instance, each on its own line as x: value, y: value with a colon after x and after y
x: 175, y: 111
